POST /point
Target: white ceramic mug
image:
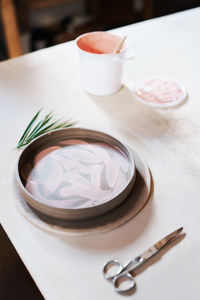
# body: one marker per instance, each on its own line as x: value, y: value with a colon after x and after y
x: 101, y: 73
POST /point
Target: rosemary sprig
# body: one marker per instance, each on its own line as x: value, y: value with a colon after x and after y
x: 45, y: 125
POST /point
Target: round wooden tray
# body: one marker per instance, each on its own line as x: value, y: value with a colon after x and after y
x: 113, y: 219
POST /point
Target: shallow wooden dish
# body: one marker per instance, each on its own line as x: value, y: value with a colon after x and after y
x: 56, y: 208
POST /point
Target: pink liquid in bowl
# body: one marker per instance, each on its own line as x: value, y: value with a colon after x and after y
x: 99, y: 42
x: 77, y: 174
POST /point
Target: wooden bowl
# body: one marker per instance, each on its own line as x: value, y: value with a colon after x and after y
x: 75, y: 173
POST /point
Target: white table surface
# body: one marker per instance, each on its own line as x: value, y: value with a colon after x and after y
x: 71, y: 267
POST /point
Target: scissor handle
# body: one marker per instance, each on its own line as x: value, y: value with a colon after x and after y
x: 112, y: 268
x: 123, y: 283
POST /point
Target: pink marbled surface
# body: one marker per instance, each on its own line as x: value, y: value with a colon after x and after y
x: 77, y: 174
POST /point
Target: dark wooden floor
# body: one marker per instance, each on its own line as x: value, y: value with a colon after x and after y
x: 15, y: 281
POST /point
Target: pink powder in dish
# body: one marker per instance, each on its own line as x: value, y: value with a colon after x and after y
x: 159, y: 91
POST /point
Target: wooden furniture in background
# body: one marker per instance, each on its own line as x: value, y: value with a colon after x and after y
x: 10, y: 13
x: 10, y: 26
x: 46, y: 33
x: 39, y: 4
x: 25, y: 7
x: 114, y: 13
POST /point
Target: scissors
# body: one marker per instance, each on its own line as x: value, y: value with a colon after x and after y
x: 121, y: 279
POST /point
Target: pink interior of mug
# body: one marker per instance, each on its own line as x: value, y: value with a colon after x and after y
x: 100, y: 42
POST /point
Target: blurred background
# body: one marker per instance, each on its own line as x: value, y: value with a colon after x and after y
x: 29, y: 25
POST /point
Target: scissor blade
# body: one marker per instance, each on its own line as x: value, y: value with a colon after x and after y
x: 159, y: 245
x: 168, y: 238
x: 142, y: 258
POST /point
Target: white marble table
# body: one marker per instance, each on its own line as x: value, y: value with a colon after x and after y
x: 71, y: 267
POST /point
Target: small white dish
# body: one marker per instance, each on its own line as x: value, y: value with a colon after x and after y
x: 159, y: 93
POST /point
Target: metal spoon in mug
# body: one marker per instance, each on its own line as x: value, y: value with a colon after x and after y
x: 122, y: 276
